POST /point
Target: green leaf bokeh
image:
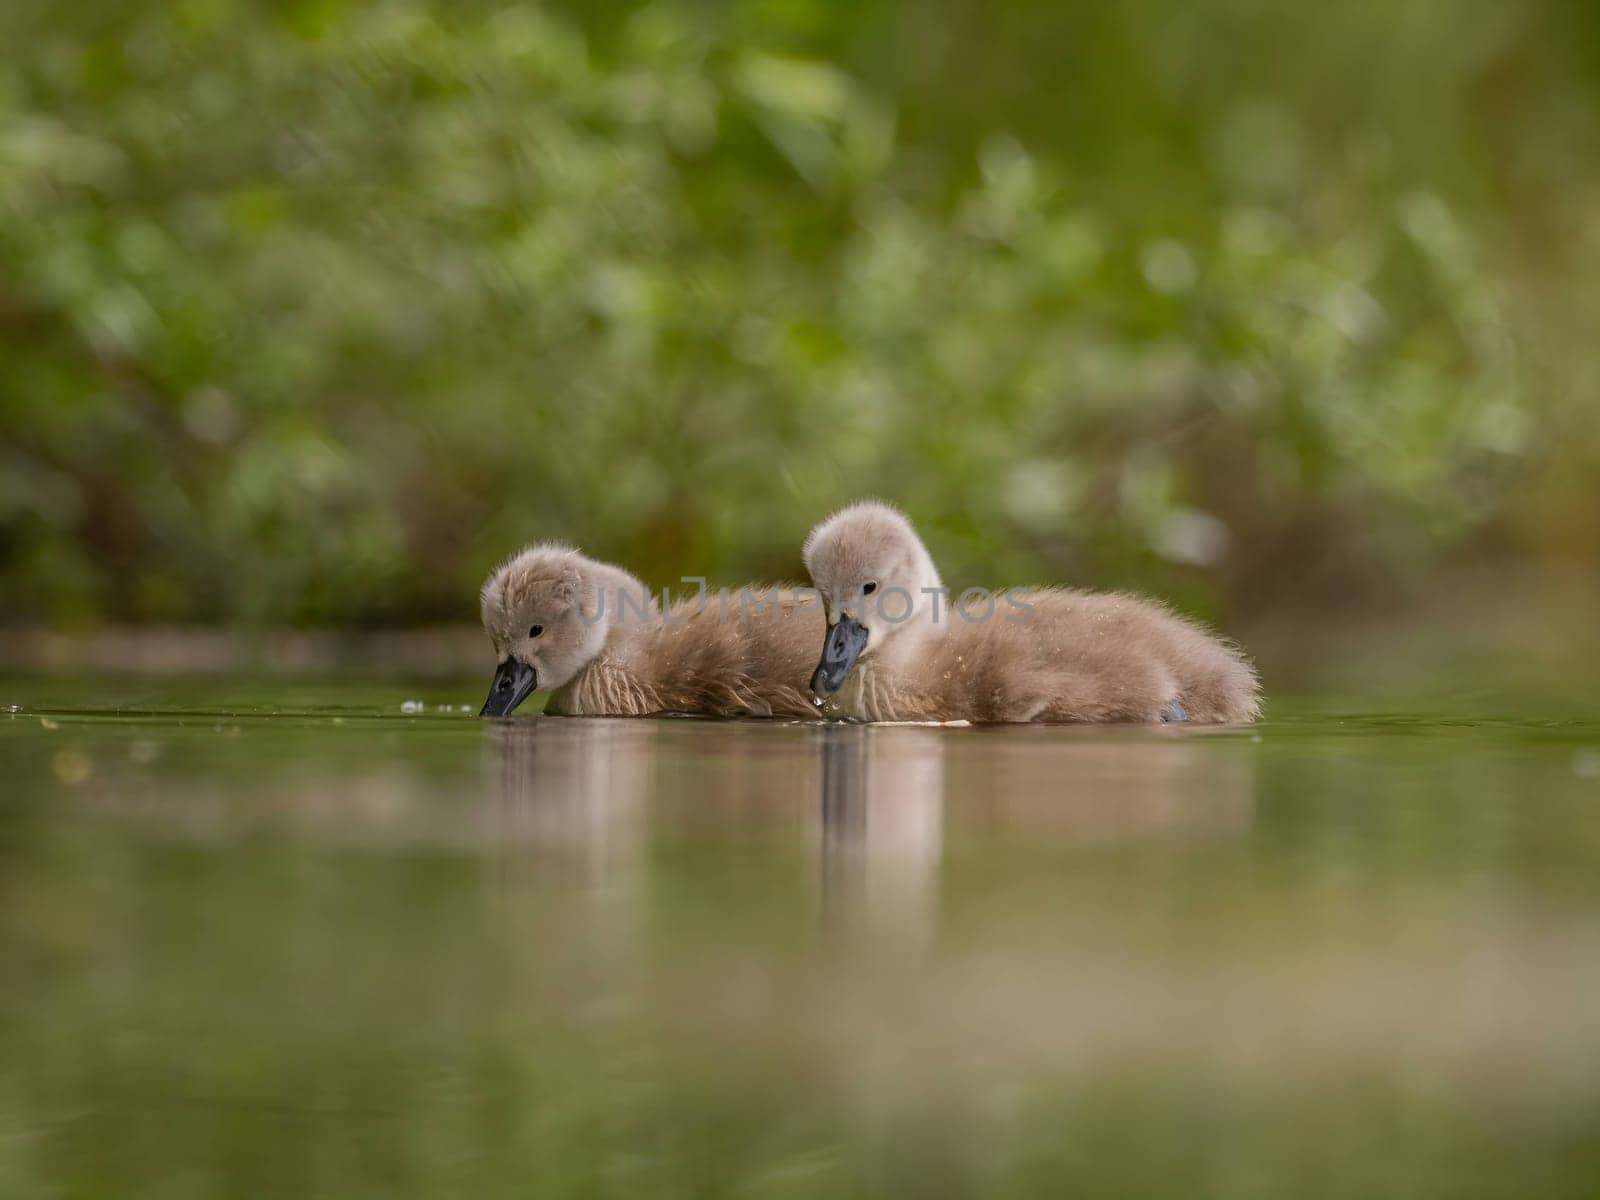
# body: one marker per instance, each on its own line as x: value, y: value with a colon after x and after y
x: 310, y: 312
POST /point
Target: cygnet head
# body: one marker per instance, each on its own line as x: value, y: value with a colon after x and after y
x: 547, y: 612
x: 877, y: 581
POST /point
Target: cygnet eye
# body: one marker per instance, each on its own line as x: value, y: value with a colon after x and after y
x: 536, y: 631
x: 868, y: 588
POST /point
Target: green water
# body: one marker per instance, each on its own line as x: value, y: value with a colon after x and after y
x: 287, y: 940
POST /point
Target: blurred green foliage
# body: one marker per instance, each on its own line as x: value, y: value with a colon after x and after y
x: 310, y: 312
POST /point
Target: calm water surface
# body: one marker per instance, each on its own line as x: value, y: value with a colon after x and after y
x: 289, y: 940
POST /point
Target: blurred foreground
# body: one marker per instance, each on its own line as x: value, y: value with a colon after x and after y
x: 297, y: 943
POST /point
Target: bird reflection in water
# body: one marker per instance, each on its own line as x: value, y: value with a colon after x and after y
x: 882, y: 826
x: 880, y: 806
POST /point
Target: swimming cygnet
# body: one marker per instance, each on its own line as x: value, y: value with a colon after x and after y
x: 900, y: 649
x: 590, y: 633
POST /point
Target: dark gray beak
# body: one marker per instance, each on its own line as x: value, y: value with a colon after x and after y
x: 513, y: 680
x: 846, y: 639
